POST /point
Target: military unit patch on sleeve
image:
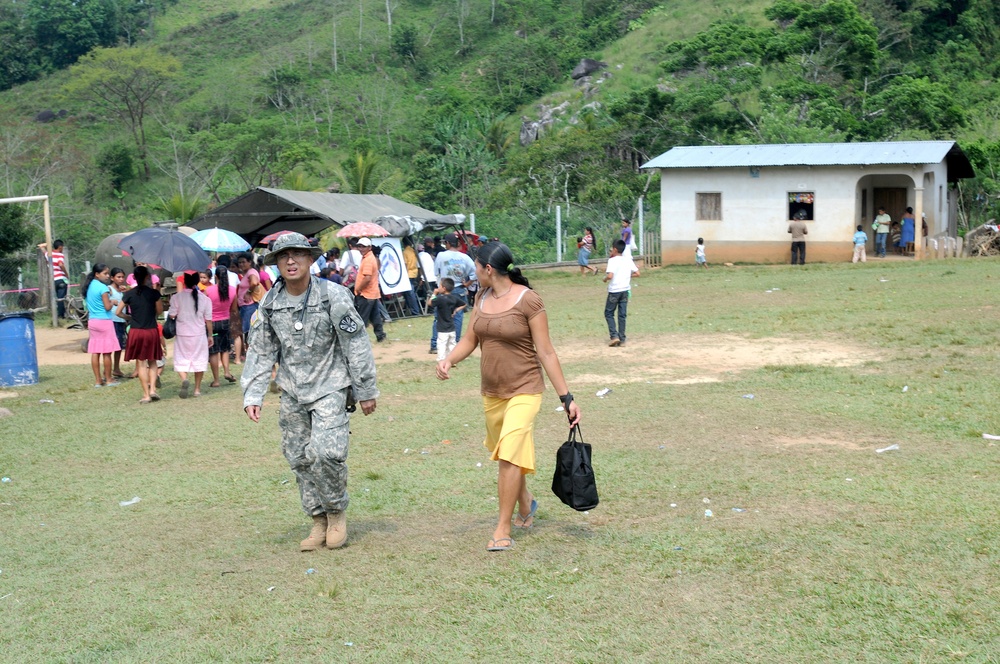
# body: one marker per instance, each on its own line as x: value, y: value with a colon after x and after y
x: 348, y: 324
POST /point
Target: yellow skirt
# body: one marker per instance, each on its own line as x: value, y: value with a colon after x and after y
x: 510, y: 424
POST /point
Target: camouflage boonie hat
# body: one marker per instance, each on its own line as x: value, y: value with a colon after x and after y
x: 290, y: 241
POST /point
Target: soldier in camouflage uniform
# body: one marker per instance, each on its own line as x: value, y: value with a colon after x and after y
x: 310, y: 328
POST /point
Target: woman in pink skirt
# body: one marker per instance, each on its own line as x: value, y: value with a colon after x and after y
x: 193, y: 311
x: 103, y: 340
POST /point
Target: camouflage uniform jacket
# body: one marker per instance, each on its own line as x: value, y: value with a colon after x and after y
x: 331, y: 351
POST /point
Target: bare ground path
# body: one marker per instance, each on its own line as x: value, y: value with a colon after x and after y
x: 676, y: 359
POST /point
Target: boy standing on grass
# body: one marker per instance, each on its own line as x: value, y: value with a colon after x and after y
x: 860, y: 240
x: 699, y: 253
x: 446, y: 304
x: 619, y: 272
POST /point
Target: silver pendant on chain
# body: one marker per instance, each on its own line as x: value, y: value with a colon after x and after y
x: 298, y: 325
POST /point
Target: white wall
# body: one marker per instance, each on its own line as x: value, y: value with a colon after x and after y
x: 756, y: 208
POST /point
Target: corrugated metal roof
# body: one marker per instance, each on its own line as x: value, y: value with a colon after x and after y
x: 805, y: 154
x: 264, y: 211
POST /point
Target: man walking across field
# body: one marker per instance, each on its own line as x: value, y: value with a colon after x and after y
x: 619, y: 271
x: 310, y: 328
x: 799, y: 231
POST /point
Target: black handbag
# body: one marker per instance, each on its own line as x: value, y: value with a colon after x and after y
x: 573, y: 481
x: 170, y: 328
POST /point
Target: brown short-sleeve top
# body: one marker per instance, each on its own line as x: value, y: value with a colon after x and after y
x: 509, y: 365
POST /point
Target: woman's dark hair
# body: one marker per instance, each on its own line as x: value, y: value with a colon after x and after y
x: 115, y: 271
x: 222, y: 282
x: 910, y: 210
x: 140, y: 273
x: 497, y: 255
x: 246, y: 256
x: 191, y: 280
x: 94, y: 271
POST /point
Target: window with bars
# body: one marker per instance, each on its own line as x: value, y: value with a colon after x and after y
x: 708, y: 206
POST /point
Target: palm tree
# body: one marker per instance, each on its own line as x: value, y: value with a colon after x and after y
x: 361, y: 174
x: 181, y: 208
x: 496, y: 136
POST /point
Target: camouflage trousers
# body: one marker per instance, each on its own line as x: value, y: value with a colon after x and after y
x: 314, y: 439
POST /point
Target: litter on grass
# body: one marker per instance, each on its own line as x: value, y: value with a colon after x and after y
x: 706, y: 500
x: 887, y: 449
x: 559, y: 409
x: 748, y: 396
x: 310, y: 571
x: 708, y: 513
x: 739, y: 509
x: 603, y: 393
x: 5, y: 480
x: 271, y: 588
x: 987, y: 436
x: 126, y: 503
x: 906, y: 387
x: 673, y: 504
x: 46, y: 401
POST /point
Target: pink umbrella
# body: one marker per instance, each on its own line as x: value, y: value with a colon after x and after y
x: 268, y: 239
x: 362, y: 229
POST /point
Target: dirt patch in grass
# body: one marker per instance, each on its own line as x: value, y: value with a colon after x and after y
x: 671, y: 359
x: 688, y: 359
x: 818, y: 441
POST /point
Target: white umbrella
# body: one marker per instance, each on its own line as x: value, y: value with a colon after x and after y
x: 220, y: 240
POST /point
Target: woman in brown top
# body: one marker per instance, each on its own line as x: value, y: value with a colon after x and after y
x: 510, y: 326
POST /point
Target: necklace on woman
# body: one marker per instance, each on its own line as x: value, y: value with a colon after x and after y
x: 497, y: 297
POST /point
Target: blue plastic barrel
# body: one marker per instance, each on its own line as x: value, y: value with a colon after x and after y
x: 18, y: 357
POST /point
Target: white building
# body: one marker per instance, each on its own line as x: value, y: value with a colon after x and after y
x: 740, y: 198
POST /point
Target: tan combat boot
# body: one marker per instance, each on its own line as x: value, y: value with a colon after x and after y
x: 336, y: 530
x: 317, y: 536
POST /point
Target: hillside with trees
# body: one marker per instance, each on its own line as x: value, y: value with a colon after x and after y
x: 127, y: 112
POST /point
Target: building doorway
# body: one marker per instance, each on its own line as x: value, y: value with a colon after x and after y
x: 893, y: 199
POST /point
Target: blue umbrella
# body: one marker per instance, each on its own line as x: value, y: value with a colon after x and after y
x: 169, y: 248
x: 221, y: 240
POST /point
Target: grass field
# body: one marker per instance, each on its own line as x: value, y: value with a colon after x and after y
x: 840, y: 554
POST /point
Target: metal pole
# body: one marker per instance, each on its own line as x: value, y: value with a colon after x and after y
x: 559, y: 234
x: 472, y: 221
x: 53, y: 310
x: 48, y: 243
x: 918, y: 229
x: 642, y: 240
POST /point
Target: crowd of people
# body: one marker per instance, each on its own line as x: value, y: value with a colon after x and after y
x: 280, y: 315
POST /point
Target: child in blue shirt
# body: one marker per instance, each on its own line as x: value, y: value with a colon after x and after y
x: 860, y: 240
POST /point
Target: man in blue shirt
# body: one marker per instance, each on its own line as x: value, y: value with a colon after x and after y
x: 457, y: 266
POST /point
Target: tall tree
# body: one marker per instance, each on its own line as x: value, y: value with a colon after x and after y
x: 124, y: 82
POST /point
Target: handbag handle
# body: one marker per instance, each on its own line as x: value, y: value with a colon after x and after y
x: 573, y: 433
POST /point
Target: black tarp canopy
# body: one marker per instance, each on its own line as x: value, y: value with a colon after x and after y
x: 263, y: 211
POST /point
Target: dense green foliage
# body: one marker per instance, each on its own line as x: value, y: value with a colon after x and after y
x: 421, y: 99
x: 40, y: 36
